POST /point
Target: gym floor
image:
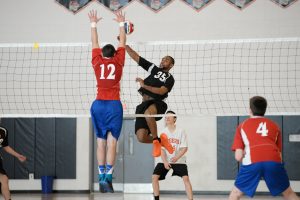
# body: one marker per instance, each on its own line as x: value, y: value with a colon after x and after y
x: 121, y: 196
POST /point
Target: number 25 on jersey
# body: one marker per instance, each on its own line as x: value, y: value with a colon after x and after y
x: 111, y: 68
x: 262, y: 129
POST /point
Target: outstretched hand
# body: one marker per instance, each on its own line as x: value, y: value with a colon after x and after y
x: 141, y: 81
x: 120, y: 17
x: 21, y: 158
x: 93, y: 16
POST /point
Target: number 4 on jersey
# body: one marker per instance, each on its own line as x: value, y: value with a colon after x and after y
x: 262, y: 129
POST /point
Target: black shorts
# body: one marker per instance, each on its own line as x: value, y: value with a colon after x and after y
x: 141, y: 122
x: 2, y: 171
x: 178, y: 170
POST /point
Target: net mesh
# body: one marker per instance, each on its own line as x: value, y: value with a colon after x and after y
x: 211, y: 77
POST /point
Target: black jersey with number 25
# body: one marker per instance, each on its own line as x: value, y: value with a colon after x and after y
x: 157, y: 78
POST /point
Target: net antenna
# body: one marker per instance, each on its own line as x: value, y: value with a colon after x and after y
x: 213, y: 77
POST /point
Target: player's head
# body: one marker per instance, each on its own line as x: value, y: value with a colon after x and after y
x: 167, y: 63
x: 108, y: 51
x: 258, y: 106
x: 170, y: 119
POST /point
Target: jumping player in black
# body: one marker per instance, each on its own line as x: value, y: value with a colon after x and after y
x: 154, y: 89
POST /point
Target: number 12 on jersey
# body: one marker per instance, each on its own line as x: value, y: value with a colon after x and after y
x: 262, y: 129
x: 111, y: 68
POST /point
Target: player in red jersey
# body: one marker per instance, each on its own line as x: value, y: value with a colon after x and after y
x: 106, y: 110
x: 258, y: 145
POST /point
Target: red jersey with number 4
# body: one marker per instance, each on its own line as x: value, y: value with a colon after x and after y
x: 108, y: 73
x: 261, y: 140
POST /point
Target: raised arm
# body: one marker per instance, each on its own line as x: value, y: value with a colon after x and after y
x: 134, y: 55
x: 94, y: 35
x: 120, y: 18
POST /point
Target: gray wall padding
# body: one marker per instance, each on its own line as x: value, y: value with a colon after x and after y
x: 291, y: 150
x: 48, y: 143
x: 227, y: 166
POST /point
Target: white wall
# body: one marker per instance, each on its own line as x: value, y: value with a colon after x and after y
x: 46, y: 21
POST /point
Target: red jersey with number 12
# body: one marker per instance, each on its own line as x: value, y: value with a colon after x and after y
x: 108, y: 73
x: 261, y: 140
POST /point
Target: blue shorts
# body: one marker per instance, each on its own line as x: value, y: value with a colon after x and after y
x: 273, y: 173
x: 107, y: 116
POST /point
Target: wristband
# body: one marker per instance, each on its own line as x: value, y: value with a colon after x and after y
x: 93, y: 24
x: 121, y: 24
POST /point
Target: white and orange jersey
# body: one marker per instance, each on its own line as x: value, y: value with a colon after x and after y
x: 108, y: 72
x: 178, y: 139
x: 261, y: 140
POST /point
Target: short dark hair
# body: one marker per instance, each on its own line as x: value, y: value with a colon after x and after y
x: 258, y: 105
x: 108, y: 51
x: 172, y: 112
x: 173, y: 61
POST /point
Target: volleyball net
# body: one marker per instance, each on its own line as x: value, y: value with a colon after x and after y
x: 215, y: 77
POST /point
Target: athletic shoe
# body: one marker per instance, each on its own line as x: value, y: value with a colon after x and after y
x: 102, y: 183
x: 156, y: 148
x: 108, y: 183
x: 165, y: 143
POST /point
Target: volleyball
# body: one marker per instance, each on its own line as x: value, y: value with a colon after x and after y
x: 129, y: 27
